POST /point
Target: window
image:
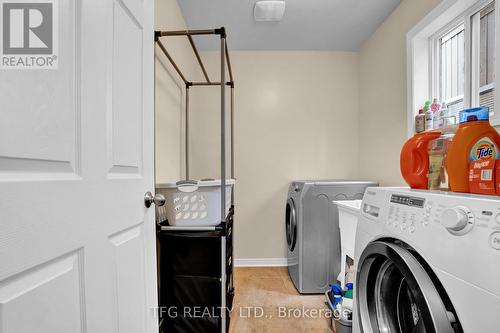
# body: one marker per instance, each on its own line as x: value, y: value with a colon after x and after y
x: 486, y: 56
x: 452, y: 69
x: 463, y: 60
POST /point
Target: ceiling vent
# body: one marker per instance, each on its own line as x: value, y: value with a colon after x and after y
x: 269, y: 10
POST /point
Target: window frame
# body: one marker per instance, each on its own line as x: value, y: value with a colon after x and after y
x: 470, y: 19
x: 422, y: 48
x: 435, y: 59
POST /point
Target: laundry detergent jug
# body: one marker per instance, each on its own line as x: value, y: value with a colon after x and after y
x: 475, y: 140
x: 414, y: 160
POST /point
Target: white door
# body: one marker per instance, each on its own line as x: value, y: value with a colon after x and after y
x: 77, y: 244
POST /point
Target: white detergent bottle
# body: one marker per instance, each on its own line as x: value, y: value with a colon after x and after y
x: 429, y: 116
x: 444, y: 114
x: 435, y: 108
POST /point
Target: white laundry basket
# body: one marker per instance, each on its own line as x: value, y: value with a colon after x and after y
x: 193, y: 203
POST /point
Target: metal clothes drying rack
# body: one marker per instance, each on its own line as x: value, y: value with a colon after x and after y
x: 191, y: 239
x: 224, y: 58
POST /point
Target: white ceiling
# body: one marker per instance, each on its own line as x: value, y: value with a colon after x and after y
x: 336, y: 25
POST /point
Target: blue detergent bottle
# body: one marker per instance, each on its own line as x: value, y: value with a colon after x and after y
x: 337, y: 294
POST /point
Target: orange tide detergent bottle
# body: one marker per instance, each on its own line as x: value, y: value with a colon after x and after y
x: 414, y: 159
x: 475, y: 140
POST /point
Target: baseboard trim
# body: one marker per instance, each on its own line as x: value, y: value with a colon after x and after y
x: 260, y: 262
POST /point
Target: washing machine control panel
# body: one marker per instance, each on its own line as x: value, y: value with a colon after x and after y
x: 458, y: 215
x: 408, y: 212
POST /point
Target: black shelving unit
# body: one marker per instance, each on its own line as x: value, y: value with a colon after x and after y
x: 196, y: 286
x: 195, y: 264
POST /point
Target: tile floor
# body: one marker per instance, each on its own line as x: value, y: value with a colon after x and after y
x: 267, y: 302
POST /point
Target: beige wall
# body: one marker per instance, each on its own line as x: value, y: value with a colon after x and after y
x: 169, y: 94
x: 296, y: 118
x: 382, y: 99
x: 299, y: 115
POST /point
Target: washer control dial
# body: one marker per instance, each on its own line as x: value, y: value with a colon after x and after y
x: 495, y: 240
x: 457, y: 220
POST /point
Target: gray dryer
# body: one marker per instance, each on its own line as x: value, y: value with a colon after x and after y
x: 312, y: 231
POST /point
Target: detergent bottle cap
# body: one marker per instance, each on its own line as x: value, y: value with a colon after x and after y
x: 474, y: 114
x: 336, y: 289
x: 427, y: 105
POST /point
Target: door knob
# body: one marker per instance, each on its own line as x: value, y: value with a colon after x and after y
x: 149, y: 199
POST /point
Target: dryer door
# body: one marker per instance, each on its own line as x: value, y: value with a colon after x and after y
x: 397, y: 292
x: 291, y: 224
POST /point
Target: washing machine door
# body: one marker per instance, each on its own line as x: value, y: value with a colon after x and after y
x: 291, y: 224
x: 396, y: 292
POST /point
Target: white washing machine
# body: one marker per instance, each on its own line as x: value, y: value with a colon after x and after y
x: 427, y: 262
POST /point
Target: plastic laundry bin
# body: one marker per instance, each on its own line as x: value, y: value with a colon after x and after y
x: 194, y: 203
x: 349, y: 211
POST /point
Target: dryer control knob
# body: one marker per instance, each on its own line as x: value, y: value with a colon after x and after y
x: 457, y: 220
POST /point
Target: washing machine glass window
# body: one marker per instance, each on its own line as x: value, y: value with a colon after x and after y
x: 291, y: 224
x: 397, y: 294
